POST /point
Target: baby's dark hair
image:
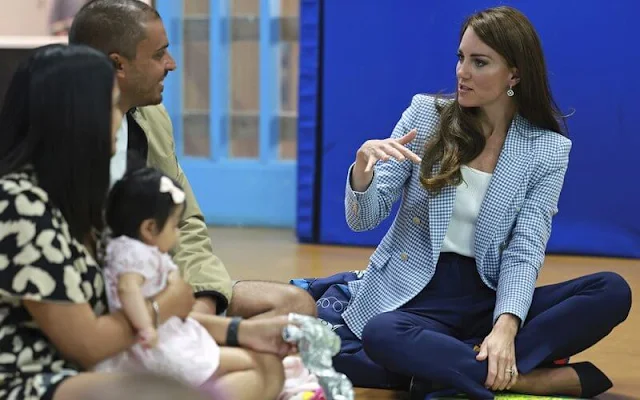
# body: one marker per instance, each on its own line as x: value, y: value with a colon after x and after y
x: 137, y: 197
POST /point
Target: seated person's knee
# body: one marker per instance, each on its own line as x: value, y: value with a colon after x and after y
x: 375, y: 335
x: 299, y: 301
x: 618, y: 294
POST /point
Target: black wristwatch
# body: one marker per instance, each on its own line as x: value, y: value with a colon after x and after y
x: 232, y: 332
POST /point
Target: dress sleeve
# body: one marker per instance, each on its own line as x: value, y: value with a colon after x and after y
x: 126, y: 255
x: 36, y: 257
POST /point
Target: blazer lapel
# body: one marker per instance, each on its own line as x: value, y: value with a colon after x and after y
x: 508, y: 175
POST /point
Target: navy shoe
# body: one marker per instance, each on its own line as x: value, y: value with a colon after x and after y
x: 593, y: 382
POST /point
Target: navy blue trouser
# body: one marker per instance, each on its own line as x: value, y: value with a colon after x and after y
x: 432, y: 337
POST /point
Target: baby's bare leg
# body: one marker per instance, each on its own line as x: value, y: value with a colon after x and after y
x: 246, y: 375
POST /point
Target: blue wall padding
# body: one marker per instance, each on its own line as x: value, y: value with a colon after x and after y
x: 308, y: 101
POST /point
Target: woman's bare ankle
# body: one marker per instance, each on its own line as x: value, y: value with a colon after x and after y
x: 549, y: 381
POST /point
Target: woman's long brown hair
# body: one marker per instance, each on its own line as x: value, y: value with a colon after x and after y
x: 459, y: 138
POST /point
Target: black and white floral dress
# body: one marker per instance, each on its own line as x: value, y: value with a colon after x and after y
x: 39, y: 260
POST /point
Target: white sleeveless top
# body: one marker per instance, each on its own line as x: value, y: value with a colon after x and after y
x: 460, y: 237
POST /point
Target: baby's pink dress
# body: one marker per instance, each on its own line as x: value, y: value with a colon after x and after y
x: 185, y: 349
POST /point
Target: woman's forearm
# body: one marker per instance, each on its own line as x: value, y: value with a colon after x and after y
x: 101, y: 338
x: 175, y: 301
x: 87, y: 339
x: 111, y: 335
x: 114, y: 333
x: 78, y: 334
x: 216, y: 326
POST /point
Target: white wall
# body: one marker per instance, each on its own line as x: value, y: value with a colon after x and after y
x: 26, y: 17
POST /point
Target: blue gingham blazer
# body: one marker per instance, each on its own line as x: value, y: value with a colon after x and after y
x: 512, y: 230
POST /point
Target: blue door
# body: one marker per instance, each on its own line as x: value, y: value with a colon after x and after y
x: 232, y: 102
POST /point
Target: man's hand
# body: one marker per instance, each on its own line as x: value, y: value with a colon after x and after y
x: 205, y: 305
x: 265, y: 335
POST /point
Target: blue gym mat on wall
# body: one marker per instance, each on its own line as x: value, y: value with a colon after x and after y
x: 371, y: 57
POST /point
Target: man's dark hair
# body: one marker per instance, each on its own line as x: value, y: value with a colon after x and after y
x: 112, y: 26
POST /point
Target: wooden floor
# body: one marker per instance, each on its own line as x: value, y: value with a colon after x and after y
x: 266, y: 254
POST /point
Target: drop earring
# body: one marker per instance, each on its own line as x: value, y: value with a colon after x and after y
x: 510, y: 92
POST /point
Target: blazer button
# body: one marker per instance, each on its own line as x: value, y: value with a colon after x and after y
x: 517, y: 209
x: 503, y: 246
x: 404, y: 256
x: 354, y: 208
x: 416, y: 220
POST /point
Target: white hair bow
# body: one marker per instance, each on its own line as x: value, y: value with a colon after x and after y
x: 167, y: 186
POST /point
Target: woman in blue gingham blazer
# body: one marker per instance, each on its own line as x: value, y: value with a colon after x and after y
x: 475, y: 321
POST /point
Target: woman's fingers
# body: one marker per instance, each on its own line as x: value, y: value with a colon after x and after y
x: 408, y: 154
x: 408, y: 137
x: 514, y: 378
x: 370, y: 162
x: 393, y: 151
x: 383, y: 150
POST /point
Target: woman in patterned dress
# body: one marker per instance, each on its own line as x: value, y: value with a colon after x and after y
x: 57, y: 136
x: 53, y: 182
